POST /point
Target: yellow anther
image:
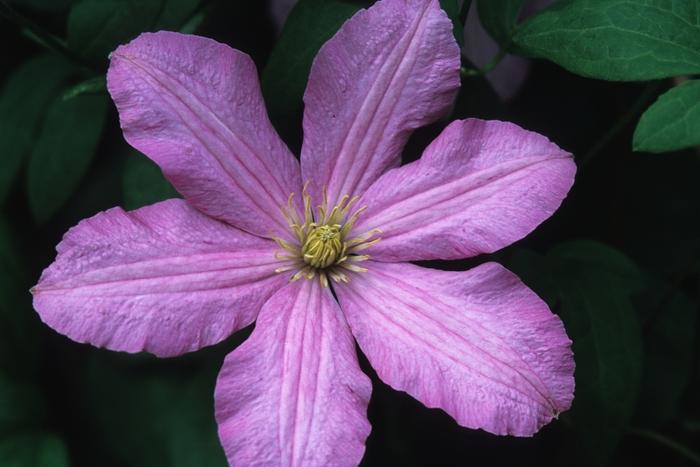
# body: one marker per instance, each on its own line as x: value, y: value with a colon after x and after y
x: 322, y: 244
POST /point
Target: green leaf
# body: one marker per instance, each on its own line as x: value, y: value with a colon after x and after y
x: 23, y: 103
x: 672, y: 122
x: 33, y: 449
x: 499, y: 18
x: 310, y: 24
x: 97, y: 27
x: 143, y: 182
x: 589, y: 285
x: 616, y: 39
x: 452, y: 8
x: 63, y: 152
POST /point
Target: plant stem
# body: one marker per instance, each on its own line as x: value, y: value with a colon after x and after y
x: 472, y: 72
x: 39, y: 35
x: 667, y: 442
x: 640, y: 104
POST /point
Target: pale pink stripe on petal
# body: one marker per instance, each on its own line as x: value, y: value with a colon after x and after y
x: 194, y: 106
x: 164, y: 278
x: 388, y: 70
x: 478, y: 344
x: 480, y: 186
x: 293, y: 393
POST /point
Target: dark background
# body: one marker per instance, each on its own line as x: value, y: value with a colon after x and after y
x: 618, y: 262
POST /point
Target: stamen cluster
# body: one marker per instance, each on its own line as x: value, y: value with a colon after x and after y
x: 323, y: 245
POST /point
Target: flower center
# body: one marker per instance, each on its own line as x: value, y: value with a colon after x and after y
x: 323, y: 246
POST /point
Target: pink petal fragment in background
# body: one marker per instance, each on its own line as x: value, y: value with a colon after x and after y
x: 194, y: 106
x: 480, y: 49
x: 388, y: 70
x: 293, y: 393
x: 164, y: 278
x: 480, y: 186
x: 477, y: 344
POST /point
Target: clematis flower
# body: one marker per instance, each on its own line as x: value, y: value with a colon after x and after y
x: 318, y: 252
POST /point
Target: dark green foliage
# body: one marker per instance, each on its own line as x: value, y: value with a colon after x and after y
x: 63, y: 151
x: 143, y: 182
x: 590, y: 286
x: 95, y: 27
x: 25, y: 99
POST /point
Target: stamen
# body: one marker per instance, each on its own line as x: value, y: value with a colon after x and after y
x: 364, y: 246
x: 354, y: 268
x: 323, y: 246
x: 357, y: 258
x: 286, y: 268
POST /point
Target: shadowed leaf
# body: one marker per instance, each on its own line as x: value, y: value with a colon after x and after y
x: 589, y: 286
x: 23, y: 103
x: 63, y: 152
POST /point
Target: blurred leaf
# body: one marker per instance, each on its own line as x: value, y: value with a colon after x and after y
x: 22, y: 414
x: 94, y: 85
x: 452, y: 8
x: 672, y: 122
x: 192, y: 25
x: 97, y: 27
x: 43, y: 5
x: 176, y: 13
x: 499, y: 18
x: 589, y: 285
x: 18, y: 339
x: 616, y: 39
x: 33, y: 450
x: 21, y: 406
x: 23, y: 103
x: 310, y: 24
x: 12, y: 271
x: 670, y: 332
x: 144, y: 183
x: 154, y: 417
x: 63, y: 152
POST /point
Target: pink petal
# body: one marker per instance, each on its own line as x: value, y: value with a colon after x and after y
x: 477, y: 344
x: 388, y: 70
x: 194, y: 106
x: 480, y: 186
x: 164, y: 278
x: 293, y: 393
